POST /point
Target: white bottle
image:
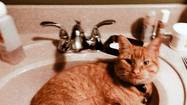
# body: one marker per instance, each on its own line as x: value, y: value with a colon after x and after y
x: 165, y: 18
x: 149, y: 25
x: 11, y: 50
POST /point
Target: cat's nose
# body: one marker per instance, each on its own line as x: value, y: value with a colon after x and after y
x: 136, y: 71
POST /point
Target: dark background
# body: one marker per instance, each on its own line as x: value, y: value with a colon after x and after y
x: 87, y: 2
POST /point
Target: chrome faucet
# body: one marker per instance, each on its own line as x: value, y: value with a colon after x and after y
x: 77, y: 37
x: 94, y: 42
x: 64, y: 42
x: 78, y: 41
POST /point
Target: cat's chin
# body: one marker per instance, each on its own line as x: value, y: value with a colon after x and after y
x: 138, y: 81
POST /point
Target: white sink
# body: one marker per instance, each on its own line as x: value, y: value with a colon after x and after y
x: 19, y: 83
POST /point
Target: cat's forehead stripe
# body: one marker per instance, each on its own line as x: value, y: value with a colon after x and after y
x: 139, y: 52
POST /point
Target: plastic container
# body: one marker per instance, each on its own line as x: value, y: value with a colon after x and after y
x: 11, y: 50
x: 179, y: 41
x: 148, y: 26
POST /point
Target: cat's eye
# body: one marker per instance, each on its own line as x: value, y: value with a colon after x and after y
x: 146, y: 62
x: 129, y: 61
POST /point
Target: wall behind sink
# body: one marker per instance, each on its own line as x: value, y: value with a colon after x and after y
x: 28, y: 17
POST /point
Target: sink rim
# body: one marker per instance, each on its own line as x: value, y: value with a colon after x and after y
x: 51, y: 61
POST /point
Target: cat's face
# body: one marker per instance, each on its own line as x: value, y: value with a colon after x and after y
x: 137, y: 65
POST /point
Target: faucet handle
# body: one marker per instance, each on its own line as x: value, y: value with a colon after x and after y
x: 50, y: 23
x: 62, y: 34
x: 105, y: 22
x: 95, y: 31
x: 95, y: 40
x: 64, y: 42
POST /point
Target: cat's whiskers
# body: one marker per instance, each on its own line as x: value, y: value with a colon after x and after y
x: 146, y: 74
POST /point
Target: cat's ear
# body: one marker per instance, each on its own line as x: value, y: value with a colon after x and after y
x: 154, y: 46
x: 124, y: 44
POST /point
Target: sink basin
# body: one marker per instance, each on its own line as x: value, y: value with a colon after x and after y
x: 19, y: 83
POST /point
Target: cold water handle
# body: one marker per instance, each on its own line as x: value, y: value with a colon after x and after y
x: 94, y: 42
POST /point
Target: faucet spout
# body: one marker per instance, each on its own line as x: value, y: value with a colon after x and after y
x: 77, y: 38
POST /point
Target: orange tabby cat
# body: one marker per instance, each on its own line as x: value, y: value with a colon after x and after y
x: 125, y: 81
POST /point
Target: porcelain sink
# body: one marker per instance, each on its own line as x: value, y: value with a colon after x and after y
x: 19, y: 83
